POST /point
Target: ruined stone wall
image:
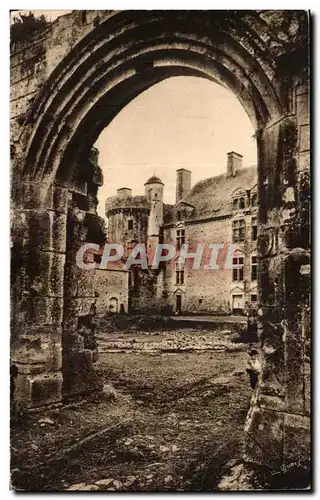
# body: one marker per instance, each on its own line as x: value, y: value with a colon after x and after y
x: 109, y: 285
x: 59, y: 86
x: 35, y: 59
x: 281, y: 403
x: 144, y: 292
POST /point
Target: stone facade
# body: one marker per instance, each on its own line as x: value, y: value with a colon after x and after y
x: 112, y: 291
x: 195, y: 222
x: 67, y: 83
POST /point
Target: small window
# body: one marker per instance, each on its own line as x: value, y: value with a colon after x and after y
x: 254, y: 229
x: 235, y: 204
x: 180, y: 277
x: 241, y: 203
x: 254, y: 298
x: 237, y: 272
x: 238, y: 230
x: 130, y: 224
x: 200, y: 301
x: 254, y: 268
x: 254, y: 200
x: 130, y: 245
x: 180, y: 238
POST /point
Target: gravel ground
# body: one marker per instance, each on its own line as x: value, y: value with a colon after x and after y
x: 173, y: 423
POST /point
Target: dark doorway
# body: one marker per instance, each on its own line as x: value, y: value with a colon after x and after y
x: 178, y: 304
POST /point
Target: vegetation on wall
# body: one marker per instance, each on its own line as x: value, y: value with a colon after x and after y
x: 25, y: 25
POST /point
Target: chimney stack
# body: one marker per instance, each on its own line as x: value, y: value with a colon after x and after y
x: 124, y: 192
x: 234, y: 163
x: 183, y: 183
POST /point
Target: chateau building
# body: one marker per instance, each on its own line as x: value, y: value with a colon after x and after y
x: 221, y: 210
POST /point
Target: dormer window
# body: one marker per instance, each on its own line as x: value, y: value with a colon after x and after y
x: 235, y: 204
x: 241, y: 203
x: 181, y: 214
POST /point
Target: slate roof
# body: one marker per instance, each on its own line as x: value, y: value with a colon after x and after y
x: 213, y: 197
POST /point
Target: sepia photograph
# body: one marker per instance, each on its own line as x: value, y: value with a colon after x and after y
x: 160, y: 246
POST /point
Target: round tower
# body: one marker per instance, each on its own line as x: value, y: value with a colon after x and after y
x: 127, y: 219
x: 154, y: 194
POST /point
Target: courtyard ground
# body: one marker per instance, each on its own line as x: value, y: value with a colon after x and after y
x: 173, y: 423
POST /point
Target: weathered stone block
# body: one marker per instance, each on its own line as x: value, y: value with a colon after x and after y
x: 271, y: 281
x: 294, y: 378
x: 38, y: 346
x: 296, y: 440
x: 59, y: 232
x: 272, y: 402
x: 40, y: 229
x: 60, y: 199
x: 35, y: 195
x: 304, y: 138
x: 45, y: 389
x: 302, y: 103
x: 46, y: 310
x: 80, y: 375
x: 307, y: 388
x: 304, y: 160
x: 37, y: 390
x: 45, y: 272
x: 268, y: 241
x: 264, y: 438
x: 57, y: 263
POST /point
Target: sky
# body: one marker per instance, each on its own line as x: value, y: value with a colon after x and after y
x: 180, y: 122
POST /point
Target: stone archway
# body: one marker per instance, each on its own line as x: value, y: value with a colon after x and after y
x: 81, y: 73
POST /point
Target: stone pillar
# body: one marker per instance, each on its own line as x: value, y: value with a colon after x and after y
x: 81, y: 374
x: 277, y: 431
x: 80, y: 371
x: 38, y: 259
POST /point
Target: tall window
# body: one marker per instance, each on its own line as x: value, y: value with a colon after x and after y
x: 235, y: 204
x: 254, y: 229
x: 241, y: 202
x: 179, y: 275
x: 181, y: 238
x: 254, y: 268
x: 130, y: 224
x: 237, y: 272
x: 254, y: 200
x: 238, y: 230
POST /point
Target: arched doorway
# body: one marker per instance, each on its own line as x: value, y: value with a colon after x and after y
x: 113, y: 305
x: 116, y: 56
